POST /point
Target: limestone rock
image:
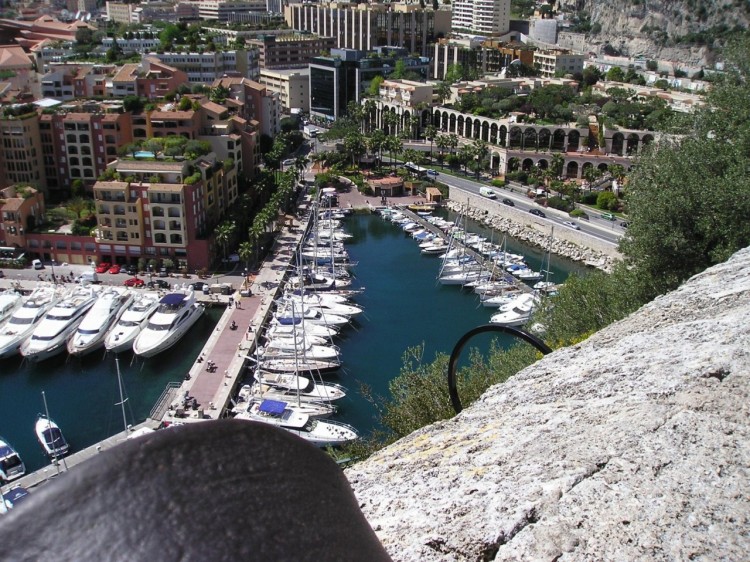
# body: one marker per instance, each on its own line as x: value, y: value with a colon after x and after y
x: 633, y: 445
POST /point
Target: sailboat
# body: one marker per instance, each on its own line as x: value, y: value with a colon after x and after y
x: 50, y: 437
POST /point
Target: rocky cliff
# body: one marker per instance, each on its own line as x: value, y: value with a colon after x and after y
x: 657, y: 29
x: 633, y: 445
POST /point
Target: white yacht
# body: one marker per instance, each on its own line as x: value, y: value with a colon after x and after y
x: 325, y: 306
x: 11, y: 465
x: 291, y: 314
x: 278, y: 349
x: 306, y: 387
x: 517, y: 312
x: 315, y: 410
x: 177, y: 312
x: 90, y: 334
x: 321, y: 433
x: 300, y: 328
x: 10, y: 301
x: 51, y: 334
x: 50, y: 437
x: 122, y: 334
x: 25, y: 319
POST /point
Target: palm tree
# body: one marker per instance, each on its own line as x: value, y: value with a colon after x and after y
x: 245, y: 251
x: 370, y: 107
x: 481, y: 151
x: 390, y: 120
x: 453, y: 142
x: 354, y: 144
x: 430, y: 131
x: 443, y: 143
x: 395, y: 147
x: 224, y: 234
x: 376, y: 143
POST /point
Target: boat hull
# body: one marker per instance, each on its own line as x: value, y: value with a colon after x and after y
x: 150, y: 348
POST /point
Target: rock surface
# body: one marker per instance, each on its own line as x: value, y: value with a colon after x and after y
x: 633, y: 445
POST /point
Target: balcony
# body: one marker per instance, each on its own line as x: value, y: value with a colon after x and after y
x: 175, y: 225
x: 121, y: 223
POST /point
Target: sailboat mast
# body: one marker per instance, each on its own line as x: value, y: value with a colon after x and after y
x: 49, y: 428
x: 122, y: 400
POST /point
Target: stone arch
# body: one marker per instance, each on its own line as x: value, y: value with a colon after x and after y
x: 603, y: 167
x: 631, y: 146
x: 585, y: 167
x: 496, y: 160
x: 574, y: 140
x: 452, y: 127
x: 485, y: 131
x: 558, y: 140
x: 646, y: 140
x: 502, y: 138
x: 477, y: 129
x: 618, y: 143
x: 527, y: 164
x: 571, y: 170
x: 530, y: 139
x: 544, y: 139
x: 493, y: 133
x: 460, y: 126
x: 469, y: 126
x: 514, y: 164
x: 436, y: 119
x: 515, y: 137
x: 425, y: 121
x: 543, y: 164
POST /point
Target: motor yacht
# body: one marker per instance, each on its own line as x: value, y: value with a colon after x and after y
x: 50, y: 437
x: 315, y: 410
x: 11, y: 465
x: 90, y: 334
x: 299, y: 328
x: 305, y: 387
x: 10, y: 301
x: 176, y: 313
x: 321, y: 433
x: 50, y: 336
x: 291, y: 314
x: 23, y: 321
x: 517, y: 312
x: 122, y: 334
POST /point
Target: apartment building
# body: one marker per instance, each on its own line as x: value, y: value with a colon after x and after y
x: 293, y: 87
x: 481, y: 17
x: 159, y: 209
x: 290, y: 51
x: 488, y: 57
x: 366, y: 26
x: 120, y: 12
x: 20, y: 142
x: 21, y: 209
x: 204, y: 68
x: 255, y: 103
x: 133, y: 45
x: 66, y: 81
x: 562, y: 61
x: 229, y: 10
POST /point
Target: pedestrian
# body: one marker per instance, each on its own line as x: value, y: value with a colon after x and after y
x: 231, y: 302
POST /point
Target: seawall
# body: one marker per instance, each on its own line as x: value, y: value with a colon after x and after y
x: 632, y: 445
x: 566, y: 242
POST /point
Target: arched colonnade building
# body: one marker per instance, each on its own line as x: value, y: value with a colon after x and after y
x: 519, y: 145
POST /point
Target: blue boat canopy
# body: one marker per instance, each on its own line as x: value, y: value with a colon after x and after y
x: 173, y: 299
x: 274, y: 407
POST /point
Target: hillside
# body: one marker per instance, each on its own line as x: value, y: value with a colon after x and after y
x: 632, y: 445
x: 687, y: 31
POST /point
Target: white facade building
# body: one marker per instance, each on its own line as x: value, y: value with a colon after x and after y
x: 293, y: 87
x: 481, y: 17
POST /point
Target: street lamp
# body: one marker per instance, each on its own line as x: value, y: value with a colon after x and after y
x: 54, y: 279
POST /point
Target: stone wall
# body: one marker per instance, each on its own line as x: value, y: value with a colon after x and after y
x: 521, y: 225
x: 633, y: 445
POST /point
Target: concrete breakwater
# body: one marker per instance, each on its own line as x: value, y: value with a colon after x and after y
x: 572, y: 244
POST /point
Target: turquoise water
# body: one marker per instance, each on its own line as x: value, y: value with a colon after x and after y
x: 144, y: 154
x: 82, y: 393
x: 404, y: 307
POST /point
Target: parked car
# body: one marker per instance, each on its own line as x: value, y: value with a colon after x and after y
x: 433, y: 173
x: 131, y: 270
x: 158, y: 284
x: 508, y: 202
x: 538, y: 213
x: 136, y: 282
x: 103, y: 267
x: 37, y: 264
x: 114, y: 269
x: 572, y: 225
x: 163, y: 272
x: 608, y: 216
x: 198, y: 285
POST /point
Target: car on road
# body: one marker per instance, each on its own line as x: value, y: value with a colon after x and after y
x: 433, y: 173
x: 537, y: 213
x: 130, y: 270
x: 508, y: 202
x: 37, y: 264
x: 158, y: 284
x: 163, y: 272
x: 572, y: 225
x: 114, y: 269
x: 136, y: 282
x: 607, y: 216
x: 103, y: 267
x: 624, y: 224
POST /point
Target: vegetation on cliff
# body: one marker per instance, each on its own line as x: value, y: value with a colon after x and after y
x: 688, y: 202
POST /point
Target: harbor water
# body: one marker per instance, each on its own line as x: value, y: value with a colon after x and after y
x: 404, y: 306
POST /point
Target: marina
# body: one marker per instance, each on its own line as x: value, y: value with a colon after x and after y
x: 204, y: 379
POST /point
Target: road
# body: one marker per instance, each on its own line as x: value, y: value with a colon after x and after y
x: 605, y: 230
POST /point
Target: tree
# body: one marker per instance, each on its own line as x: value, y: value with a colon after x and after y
x: 224, y: 234
x: 355, y: 146
x: 399, y: 70
x: 374, y: 88
x: 245, y: 252
x: 134, y: 104
x: 395, y: 147
x: 430, y: 132
x: 689, y: 196
x: 615, y: 74
x: 443, y: 92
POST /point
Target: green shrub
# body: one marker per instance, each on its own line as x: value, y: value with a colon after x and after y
x: 498, y: 183
x: 559, y: 203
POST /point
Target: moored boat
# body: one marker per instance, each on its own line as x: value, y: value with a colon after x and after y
x: 50, y: 437
x: 11, y: 465
x: 90, y: 334
x: 176, y: 314
x: 122, y: 334
x: 25, y: 319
